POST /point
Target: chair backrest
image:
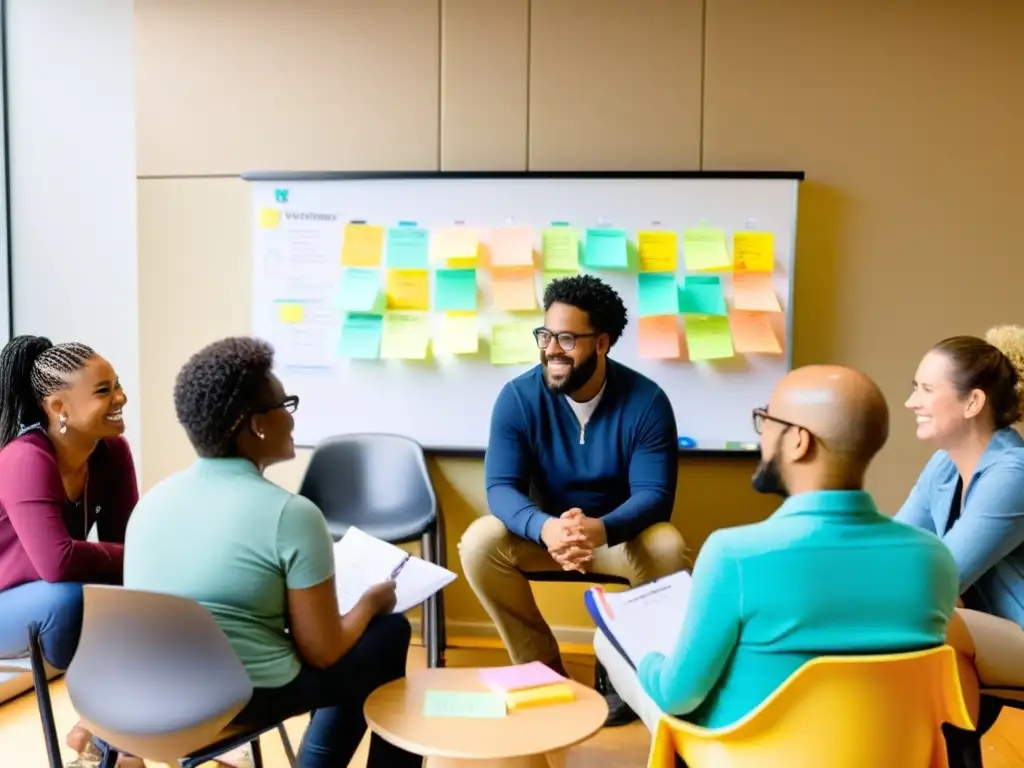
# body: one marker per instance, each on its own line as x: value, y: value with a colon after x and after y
x: 379, y: 478
x: 840, y: 712
x: 153, y: 674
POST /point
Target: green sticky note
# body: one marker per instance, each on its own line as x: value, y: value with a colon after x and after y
x: 560, y: 249
x: 405, y: 336
x: 455, y: 290
x: 360, y: 337
x: 702, y: 295
x: 657, y: 294
x: 359, y: 291
x: 513, y: 344
x: 606, y: 249
x: 408, y: 248
x: 463, y: 704
x: 704, y: 248
x: 708, y: 337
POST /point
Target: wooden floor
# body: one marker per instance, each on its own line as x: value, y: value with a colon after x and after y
x: 21, y: 743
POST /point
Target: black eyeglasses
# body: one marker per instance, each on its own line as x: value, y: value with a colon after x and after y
x: 761, y: 415
x: 290, y: 404
x: 566, y: 341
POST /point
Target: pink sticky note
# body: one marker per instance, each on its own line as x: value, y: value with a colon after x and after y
x: 519, y: 677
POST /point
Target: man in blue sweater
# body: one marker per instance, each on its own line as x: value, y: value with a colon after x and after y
x: 581, y: 473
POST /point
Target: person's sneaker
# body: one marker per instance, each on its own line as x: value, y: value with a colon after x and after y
x: 619, y: 712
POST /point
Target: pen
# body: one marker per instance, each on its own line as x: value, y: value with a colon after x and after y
x: 400, y: 566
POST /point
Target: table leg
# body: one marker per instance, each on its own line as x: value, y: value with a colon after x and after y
x: 550, y: 760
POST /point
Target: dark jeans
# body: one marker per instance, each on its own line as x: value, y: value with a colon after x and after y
x: 336, y: 696
x: 56, y: 608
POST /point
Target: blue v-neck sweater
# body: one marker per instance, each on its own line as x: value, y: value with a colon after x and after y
x: 621, y: 466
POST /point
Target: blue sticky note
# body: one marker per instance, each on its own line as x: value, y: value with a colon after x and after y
x: 606, y: 249
x: 407, y: 248
x: 455, y: 290
x: 657, y: 294
x: 702, y: 295
x: 358, y: 290
x: 360, y: 337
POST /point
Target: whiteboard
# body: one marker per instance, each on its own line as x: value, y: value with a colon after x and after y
x: 444, y: 402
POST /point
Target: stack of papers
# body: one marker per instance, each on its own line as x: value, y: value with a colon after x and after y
x: 362, y: 560
x: 527, y: 685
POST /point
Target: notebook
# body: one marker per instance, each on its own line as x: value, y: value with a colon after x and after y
x: 519, y: 677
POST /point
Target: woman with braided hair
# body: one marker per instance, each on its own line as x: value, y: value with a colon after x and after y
x: 64, y: 468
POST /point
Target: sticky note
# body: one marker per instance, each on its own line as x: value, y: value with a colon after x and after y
x: 658, y: 337
x: 752, y: 333
x: 753, y: 251
x: 290, y: 312
x: 470, y: 704
x: 513, y: 288
x: 657, y: 251
x: 408, y: 289
x: 458, y: 334
x: 657, y: 294
x: 360, y: 337
x: 408, y: 248
x: 512, y: 247
x: 358, y: 290
x: 708, y: 337
x: 542, y: 696
x: 513, y: 343
x: 560, y: 249
x: 549, y: 276
x: 269, y: 218
x: 455, y: 289
x: 453, y: 243
x: 362, y: 245
x: 517, y: 677
x: 405, y: 336
x: 704, y: 248
x: 606, y: 249
x: 754, y: 291
x: 702, y: 295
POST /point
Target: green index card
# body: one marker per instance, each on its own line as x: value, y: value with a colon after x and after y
x: 455, y: 290
x: 464, y: 704
x: 657, y: 294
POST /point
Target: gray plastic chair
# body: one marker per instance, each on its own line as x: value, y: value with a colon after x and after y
x: 379, y: 483
x: 154, y: 676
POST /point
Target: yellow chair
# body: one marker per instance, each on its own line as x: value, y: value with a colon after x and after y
x: 835, y: 712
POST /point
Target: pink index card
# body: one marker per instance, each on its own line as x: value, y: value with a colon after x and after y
x: 519, y: 677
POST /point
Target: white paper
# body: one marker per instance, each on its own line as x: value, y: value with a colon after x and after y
x: 648, y: 618
x: 361, y: 560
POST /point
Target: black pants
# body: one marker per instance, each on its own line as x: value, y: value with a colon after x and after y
x: 336, y: 696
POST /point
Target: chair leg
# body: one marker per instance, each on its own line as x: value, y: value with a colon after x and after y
x: 288, y: 751
x: 257, y: 753
x: 42, y: 686
x: 433, y: 609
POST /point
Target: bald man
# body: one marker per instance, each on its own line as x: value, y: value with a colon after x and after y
x: 826, y: 574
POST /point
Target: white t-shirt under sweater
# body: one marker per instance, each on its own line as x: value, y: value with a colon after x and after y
x: 585, y: 410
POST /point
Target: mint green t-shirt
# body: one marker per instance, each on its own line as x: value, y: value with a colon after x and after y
x: 220, y: 534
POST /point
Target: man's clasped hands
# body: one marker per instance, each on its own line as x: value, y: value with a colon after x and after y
x: 572, y: 538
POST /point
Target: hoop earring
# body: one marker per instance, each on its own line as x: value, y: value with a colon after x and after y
x: 63, y: 421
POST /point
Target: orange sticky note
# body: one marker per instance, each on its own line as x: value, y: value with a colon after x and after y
x: 658, y: 337
x: 408, y: 289
x: 513, y: 288
x: 362, y: 246
x: 454, y: 243
x: 752, y: 333
x: 754, y: 291
x: 512, y: 247
x: 753, y: 252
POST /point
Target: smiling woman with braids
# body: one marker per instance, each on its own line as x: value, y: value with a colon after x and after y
x: 64, y: 468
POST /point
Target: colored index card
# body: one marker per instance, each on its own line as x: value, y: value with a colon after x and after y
x: 512, y: 344
x: 561, y: 249
x: 708, y: 337
x: 606, y: 249
x: 408, y: 289
x: 408, y: 248
x: 455, y: 289
x: 754, y: 291
x: 753, y: 251
x: 514, y: 289
x: 657, y: 294
x: 702, y: 295
x: 362, y: 245
x: 405, y: 336
x: 704, y: 248
x: 752, y: 333
x: 360, y: 337
x: 469, y: 704
x: 657, y: 251
x: 358, y: 290
x: 518, y: 677
x: 453, y: 243
x: 458, y: 334
x: 269, y: 218
x: 290, y: 312
x: 512, y: 247
x: 658, y: 337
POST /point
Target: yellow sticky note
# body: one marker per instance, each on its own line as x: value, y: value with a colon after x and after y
x: 560, y: 247
x: 658, y: 337
x: 363, y: 245
x: 754, y: 291
x: 454, y: 243
x: 753, y: 251
x: 269, y: 218
x: 458, y: 334
x: 512, y: 247
x: 514, y: 289
x: 657, y: 251
x: 704, y: 249
x: 290, y: 312
x: 708, y: 337
x: 408, y: 289
x: 405, y: 336
x: 513, y: 344
x: 752, y: 333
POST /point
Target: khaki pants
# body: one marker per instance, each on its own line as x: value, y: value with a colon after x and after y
x: 990, y: 656
x: 495, y: 560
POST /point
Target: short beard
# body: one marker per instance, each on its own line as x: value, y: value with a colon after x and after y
x: 578, y: 376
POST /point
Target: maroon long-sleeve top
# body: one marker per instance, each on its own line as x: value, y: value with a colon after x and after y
x: 42, y: 533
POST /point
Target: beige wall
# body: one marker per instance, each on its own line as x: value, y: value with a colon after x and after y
x: 906, y: 118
